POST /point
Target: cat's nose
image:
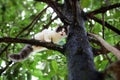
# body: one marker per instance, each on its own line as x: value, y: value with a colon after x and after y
x: 62, y: 34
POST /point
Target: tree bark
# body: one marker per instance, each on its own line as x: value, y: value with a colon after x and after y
x: 78, y: 51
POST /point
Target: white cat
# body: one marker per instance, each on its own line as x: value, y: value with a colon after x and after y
x: 47, y: 36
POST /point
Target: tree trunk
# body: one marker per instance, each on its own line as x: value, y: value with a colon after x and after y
x: 78, y: 51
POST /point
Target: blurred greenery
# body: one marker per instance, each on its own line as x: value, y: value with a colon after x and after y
x: 15, y: 15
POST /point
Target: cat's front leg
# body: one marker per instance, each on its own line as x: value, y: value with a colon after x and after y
x: 47, y: 39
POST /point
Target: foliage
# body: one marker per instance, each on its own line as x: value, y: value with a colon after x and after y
x: 47, y: 65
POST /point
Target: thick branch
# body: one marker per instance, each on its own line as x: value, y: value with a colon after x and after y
x: 102, y: 49
x: 32, y: 42
x: 110, y: 48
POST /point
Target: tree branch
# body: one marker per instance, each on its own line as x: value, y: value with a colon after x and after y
x: 106, y: 24
x: 110, y: 48
x: 5, y: 68
x: 33, y: 22
x: 102, y: 49
x: 104, y: 9
x: 48, y: 24
x: 32, y: 42
x: 57, y: 8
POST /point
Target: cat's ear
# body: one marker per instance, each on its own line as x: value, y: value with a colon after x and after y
x: 59, y: 28
x: 66, y: 27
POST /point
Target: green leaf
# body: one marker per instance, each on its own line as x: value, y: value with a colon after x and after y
x: 54, y: 66
x: 86, y: 3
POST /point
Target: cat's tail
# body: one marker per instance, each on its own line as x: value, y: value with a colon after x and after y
x: 24, y: 53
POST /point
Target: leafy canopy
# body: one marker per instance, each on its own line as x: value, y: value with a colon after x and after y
x: 17, y: 15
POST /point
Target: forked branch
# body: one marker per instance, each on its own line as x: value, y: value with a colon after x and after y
x: 110, y: 48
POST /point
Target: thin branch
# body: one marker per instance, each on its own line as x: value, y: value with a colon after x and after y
x: 58, y: 9
x: 48, y: 24
x: 33, y: 22
x: 104, y: 9
x: 32, y: 42
x: 106, y: 24
x: 5, y: 68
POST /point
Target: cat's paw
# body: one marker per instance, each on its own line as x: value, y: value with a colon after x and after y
x: 48, y: 40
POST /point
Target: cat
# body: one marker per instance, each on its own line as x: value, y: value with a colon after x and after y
x: 46, y: 35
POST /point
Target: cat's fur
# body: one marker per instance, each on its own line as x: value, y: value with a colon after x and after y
x: 46, y: 35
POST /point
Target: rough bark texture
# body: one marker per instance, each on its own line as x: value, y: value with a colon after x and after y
x: 79, y: 55
x: 78, y: 51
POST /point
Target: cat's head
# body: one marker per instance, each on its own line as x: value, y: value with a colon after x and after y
x: 62, y: 30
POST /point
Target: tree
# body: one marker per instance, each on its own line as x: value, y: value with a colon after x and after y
x: 77, y: 49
